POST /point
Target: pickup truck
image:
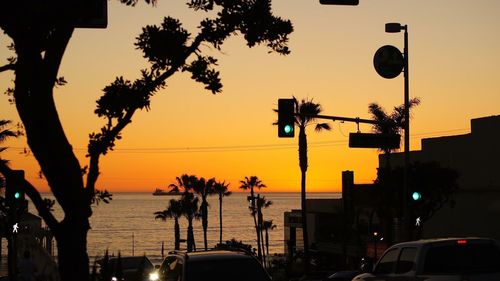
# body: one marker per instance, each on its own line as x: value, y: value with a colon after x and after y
x: 447, y: 259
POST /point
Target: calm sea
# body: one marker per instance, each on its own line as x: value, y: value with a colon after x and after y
x: 127, y: 224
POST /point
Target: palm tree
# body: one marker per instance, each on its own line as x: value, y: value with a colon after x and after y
x: 190, y: 211
x: 306, y: 112
x: 250, y: 184
x: 173, y: 211
x: 184, y: 183
x: 5, y: 134
x: 389, y: 124
x: 221, y: 188
x: 204, y: 188
x: 261, y: 203
x: 267, y: 226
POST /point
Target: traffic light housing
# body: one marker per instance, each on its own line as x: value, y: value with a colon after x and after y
x: 14, y: 193
x: 286, y: 118
x: 339, y: 2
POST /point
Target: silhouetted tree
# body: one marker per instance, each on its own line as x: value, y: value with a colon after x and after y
x: 436, y: 184
x: 221, y: 188
x: 190, y: 205
x: 306, y: 111
x: 267, y: 226
x: 261, y: 203
x: 173, y: 211
x: 250, y: 184
x: 204, y: 188
x: 41, y: 31
x: 389, y: 124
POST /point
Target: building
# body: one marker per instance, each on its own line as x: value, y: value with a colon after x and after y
x: 351, y: 228
x: 476, y: 157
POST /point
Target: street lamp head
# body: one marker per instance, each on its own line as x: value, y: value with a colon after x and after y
x: 393, y: 27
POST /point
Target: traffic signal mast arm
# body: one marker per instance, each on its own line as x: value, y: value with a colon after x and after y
x: 346, y: 119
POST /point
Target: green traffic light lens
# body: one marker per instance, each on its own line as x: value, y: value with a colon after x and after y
x: 288, y: 129
x: 17, y: 195
x: 416, y: 196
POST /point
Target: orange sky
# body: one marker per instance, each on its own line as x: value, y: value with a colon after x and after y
x: 453, y: 67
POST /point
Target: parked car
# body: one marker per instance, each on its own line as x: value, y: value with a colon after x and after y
x: 211, y: 265
x: 132, y: 268
x: 448, y: 259
x: 346, y: 275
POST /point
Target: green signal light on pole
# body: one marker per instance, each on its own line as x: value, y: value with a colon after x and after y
x: 416, y: 196
x: 288, y: 129
x: 17, y: 195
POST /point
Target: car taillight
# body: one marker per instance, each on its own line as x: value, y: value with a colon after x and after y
x: 461, y: 242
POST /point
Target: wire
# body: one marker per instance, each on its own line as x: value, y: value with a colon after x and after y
x: 234, y: 148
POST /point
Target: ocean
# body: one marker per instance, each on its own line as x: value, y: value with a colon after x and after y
x: 128, y: 225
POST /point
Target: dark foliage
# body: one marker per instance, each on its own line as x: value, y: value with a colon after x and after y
x: 436, y: 184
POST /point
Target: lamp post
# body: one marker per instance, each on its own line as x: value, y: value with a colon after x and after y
x: 396, y: 28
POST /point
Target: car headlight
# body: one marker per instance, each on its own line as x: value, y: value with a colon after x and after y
x: 154, y: 276
x: 114, y: 279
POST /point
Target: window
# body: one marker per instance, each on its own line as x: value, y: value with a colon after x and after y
x: 225, y: 269
x: 406, y: 260
x: 171, y: 269
x: 387, y: 262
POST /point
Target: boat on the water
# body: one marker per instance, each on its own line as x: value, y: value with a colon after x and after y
x: 160, y: 192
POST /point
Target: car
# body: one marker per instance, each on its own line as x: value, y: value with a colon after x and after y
x: 221, y: 265
x: 445, y: 259
x: 346, y: 275
x: 132, y: 268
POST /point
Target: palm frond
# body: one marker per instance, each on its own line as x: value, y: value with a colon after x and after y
x: 322, y: 126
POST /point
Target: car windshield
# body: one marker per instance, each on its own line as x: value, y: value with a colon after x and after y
x: 463, y: 259
x: 242, y: 269
x: 132, y: 263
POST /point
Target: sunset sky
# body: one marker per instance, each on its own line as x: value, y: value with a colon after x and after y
x: 454, y: 69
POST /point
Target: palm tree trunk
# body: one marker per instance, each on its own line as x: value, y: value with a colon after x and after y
x: 220, y: 217
x: 190, y: 236
x: 259, y: 253
x: 252, y: 198
x: 303, y: 169
x: 305, y: 234
x: 204, y: 221
x: 177, y: 234
x: 261, y: 245
x: 267, y: 245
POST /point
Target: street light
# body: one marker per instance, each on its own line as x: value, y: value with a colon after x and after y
x: 396, y: 28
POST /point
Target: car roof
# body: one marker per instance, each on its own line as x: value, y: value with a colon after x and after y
x: 214, y: 254
x: 420, y: 243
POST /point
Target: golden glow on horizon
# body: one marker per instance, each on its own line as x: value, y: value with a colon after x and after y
x: 453, y: 57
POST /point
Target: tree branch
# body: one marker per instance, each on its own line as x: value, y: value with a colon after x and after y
x: 35, y: 197
x: 95, y: 155
x: 6, y: 67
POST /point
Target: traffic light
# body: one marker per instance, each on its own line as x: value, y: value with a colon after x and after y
x: 14, y: 193
x: 416, y: 196
x: 286, y: 118
x: 339, y: 2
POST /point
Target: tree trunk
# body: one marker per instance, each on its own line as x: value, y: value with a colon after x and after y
x: 177, y: 234
x: 204, y: 221
x: 254, y: 214
x: 190, y: 236
x: 261, y: 237
x: 35, y: 78
x: 73, y: 261
x: 267, y: 242
x: 303, y: 169
x: 220, y: 217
